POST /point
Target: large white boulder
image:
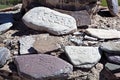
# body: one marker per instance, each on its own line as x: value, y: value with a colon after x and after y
x: 45, y: 19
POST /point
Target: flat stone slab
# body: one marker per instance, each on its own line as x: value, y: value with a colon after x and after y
x: 103, y: 34
x: 45, y: 43
x: 42, y: 43
x: 83, y: 57
x: 82, y: 17
x: 113, y: 58
x: 4, y: 55
x: 45, y: 19
x: 111, y: 47
x: 114, y: 68
x: 113, y: 7
x: 5, y: 26
x: 41, y: 66
x: 60, y: 4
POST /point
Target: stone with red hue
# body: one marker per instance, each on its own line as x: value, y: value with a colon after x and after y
x: 41, y: 66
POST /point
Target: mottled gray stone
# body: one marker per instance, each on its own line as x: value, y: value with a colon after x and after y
x: 103, y: 34
x: 4, y: 56
x: 45, y: 19
x: 82, y: 17
x: 42, y: 66
x: 26, y: 45
x: 112, y: 66
x: 113, y: 7
x: 111, y: 47
x: 83, y: 57
x: 4, y: 27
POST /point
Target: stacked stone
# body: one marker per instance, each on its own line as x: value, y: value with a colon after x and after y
x: 41, y: 54
x: 112, y: 50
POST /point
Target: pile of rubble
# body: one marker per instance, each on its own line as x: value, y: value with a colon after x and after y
x: 49, y: 44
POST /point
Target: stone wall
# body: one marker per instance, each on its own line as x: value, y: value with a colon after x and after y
x: 71, y: 5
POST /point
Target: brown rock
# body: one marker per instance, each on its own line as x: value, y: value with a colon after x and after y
x: 46, y: 43
x: 61, y: 4
x: 39, y: 66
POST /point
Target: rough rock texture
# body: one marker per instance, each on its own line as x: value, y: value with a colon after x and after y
x: 46, y: 43
x: 39, y: 66
x: 103, y: 34
x: 60, y: 4
x: 83, y: 57
x: 42, y: 43
x: 45, y: 19
x: 105, y: 22
x: 111, y: 47
x: 26, y: 45
x: 4, y: 27
x: 4, y: 56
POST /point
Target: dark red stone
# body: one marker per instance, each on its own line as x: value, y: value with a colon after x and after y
x: 41, y: 66
x: 82, y: 17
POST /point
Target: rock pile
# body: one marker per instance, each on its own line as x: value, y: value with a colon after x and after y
x: 48, y: 45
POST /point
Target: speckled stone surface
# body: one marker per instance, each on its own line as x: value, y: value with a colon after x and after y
x: 39, y: 66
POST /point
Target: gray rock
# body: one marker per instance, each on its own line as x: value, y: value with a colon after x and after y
x: 4, y: 27
x: 42, y: 43
x: 4, y: 56
x: 113, y: 58
x: 113, y: 7
x: 112, y: 66
x: 6, y: 17
x: 26, y: 45
x: 83, y: 57
x: 90, y: 38
x: 41, y: 66
x: 111, y: 47
x: 76, y: 41
x: 45, y: 19
x: 103, y: 34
